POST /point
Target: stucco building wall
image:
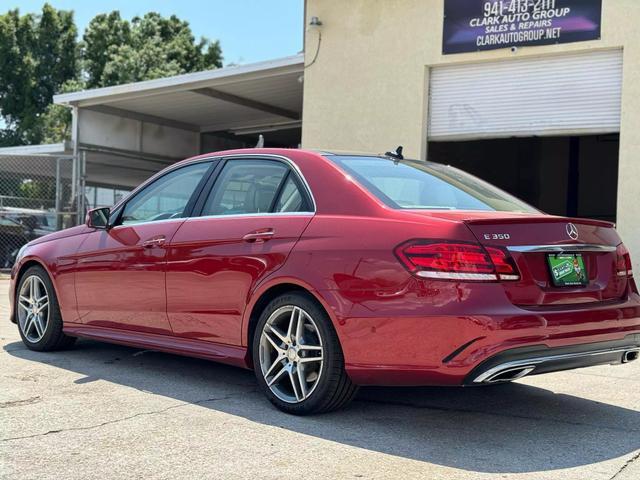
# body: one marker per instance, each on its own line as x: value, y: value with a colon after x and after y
x: 367, y: 74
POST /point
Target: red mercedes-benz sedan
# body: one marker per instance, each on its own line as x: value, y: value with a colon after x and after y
x: 324, y: 271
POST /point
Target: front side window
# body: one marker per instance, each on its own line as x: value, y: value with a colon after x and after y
x: 166, y: 198
x: 410, y: 184
x: 245, y: 187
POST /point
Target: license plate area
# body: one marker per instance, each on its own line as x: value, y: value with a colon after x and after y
x: 567, y: 270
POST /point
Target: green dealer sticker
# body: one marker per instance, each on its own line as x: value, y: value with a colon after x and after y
x: 567, y: 270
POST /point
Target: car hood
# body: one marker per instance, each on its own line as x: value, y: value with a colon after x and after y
x: 69, y: 232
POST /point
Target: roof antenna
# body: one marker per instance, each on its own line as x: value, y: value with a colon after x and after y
x: 260, y: 143
x: 397, y: 154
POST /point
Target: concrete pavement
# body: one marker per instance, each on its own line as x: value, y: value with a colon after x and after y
x: 101, y: 411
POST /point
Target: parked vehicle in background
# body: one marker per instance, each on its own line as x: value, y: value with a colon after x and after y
x: 20, y: 225
x: 323, y: 272
x: 13, y: 235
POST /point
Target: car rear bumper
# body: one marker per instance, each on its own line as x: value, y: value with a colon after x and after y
x: 417, y: 344
x: 516, y: 363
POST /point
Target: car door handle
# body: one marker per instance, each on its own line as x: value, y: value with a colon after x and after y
x: 154, y: 242
x: 259, y: 235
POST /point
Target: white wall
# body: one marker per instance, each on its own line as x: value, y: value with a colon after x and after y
x: 111, y: 131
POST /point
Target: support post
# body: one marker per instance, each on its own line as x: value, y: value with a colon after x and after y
x: 81, y: 186
x: 75, y: 136
x: 58, y: 195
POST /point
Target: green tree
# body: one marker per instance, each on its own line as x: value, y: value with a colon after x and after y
x: 115, y: 51
x: 104, y: 33
x: 37, y: 189
x: 55, y: 122
x: 38, y: 53
x: 40, y: 56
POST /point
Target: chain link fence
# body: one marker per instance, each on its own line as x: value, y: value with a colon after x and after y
x: 36, y: 198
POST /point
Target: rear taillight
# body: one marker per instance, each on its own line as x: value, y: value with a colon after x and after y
x: 623, y: 261
x: 444, y: 260
x: 505, y: 266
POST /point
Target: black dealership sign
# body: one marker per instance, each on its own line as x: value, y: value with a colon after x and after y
x: 472, y: 25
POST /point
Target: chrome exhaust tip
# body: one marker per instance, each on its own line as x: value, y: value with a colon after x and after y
x: 506, y: 375
x: 630, y: 356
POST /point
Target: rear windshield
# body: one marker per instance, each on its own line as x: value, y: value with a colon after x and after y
x: 410, y: 184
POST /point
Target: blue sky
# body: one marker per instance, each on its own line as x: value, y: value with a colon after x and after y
x: 248, y: 30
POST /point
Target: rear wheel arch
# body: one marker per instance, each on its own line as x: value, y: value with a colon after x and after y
x: 265, y: 298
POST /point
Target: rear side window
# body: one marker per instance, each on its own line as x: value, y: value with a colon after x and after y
x: 245, y: 187
x: 410, y: 184
x: 290, y: 198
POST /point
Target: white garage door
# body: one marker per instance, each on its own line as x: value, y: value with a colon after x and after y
x: 553, y: 95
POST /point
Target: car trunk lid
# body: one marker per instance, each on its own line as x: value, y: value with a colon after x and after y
x: 531, y: 238
x: 583, y: 250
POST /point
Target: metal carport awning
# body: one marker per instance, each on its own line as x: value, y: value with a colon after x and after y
x: 124, y: 134
x: 261, y: 95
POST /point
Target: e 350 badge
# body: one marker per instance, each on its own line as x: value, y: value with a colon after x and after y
x: 497, y: 236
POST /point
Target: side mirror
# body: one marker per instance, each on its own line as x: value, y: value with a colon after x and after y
x: 98, y: 218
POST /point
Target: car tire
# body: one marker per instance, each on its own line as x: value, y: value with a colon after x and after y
x: 326, y: 382
x: 42, y: 333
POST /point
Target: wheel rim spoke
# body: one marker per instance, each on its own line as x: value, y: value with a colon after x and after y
x: 27, y: 324
x: 37, y: 323
x: 310, y: 359
x: 299, y: 329
x: 302, y: 380
x: 313, y: 348
x: 275, y: 346
x: 277, y: 376
x: 292, y: 321
x: 25, y: 307
x: 276, y: 362
x: 296, y: 355
x: 295, y: 387
x: 278, y: 334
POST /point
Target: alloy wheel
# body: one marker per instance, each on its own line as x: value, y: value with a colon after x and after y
x: 291, y: 354
x: 33, y: 308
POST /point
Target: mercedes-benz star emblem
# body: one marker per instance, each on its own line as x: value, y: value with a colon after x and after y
x: 572, y: 231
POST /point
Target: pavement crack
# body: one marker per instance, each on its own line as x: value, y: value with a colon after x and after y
x: 626, y: 465
x: 19, y: 403
x: 129, y: 417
